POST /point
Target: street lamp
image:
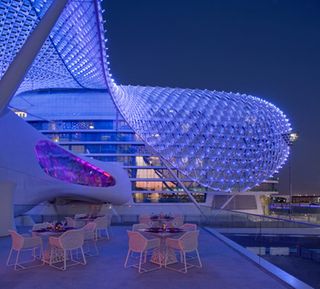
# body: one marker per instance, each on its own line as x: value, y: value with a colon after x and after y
x: 292, y: 138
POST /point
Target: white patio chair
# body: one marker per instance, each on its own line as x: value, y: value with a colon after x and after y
x: 178, y: 220
x: 137, y: 227
x: 89, y: 231
x: 77, y: 216
x: 39, y: 226
x: 21, y: 243
x: 68, y: 242
x: 79, y: 220
x: 187, y: 243
x: 71, y: 222
x: 139, y: 244
x: 103, y: 224
x: 189, y: 227
x: 145, y: 219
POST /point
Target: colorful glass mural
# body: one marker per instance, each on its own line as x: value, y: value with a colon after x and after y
x: 63, y: 165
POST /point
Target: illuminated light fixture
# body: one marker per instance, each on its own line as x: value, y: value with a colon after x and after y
x: 290, y: 137
x: 293, y: 137
x: 21, y: 114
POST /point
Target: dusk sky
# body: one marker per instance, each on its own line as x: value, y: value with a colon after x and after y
x: 267, y: 48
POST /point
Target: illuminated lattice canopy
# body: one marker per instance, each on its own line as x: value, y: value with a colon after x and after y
x: 73, y: 56
x: 226, y: 141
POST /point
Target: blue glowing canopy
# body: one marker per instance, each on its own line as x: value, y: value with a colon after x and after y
x: 226, y: 141
x: 74, y: 54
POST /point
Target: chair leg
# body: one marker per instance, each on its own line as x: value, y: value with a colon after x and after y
x: 16, y: 264
x: 64, y: 260
x: 166, y: 257
x: 145, y: 257
x: 42, y: 254
x: 199, y: 260
x: 140, y: 261
x: 107, y: 233
x: 96, y: 247
x: 51, y: 256
x: 9, y: 257
x: 34, y: 253
x: 77, y: 254
x: 126, y: 262
x: 83, y: 257
x: 17, y: 259
x: 97, y: 234
x: 185, y: 262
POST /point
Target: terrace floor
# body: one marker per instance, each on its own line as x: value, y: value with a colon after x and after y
x: 222, y: 268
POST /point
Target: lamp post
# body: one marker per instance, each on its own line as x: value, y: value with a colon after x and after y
x: 292, y: 138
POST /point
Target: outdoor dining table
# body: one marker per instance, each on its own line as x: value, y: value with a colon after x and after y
x: 50, y: 232
x: 159, y: 255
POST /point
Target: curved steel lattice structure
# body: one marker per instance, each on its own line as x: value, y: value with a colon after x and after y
x: 72, y: 55
x: 226, y: 141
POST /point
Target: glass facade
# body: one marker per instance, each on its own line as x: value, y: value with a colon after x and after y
x: 178, y: 197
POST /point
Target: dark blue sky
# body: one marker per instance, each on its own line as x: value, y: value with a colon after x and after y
x: 267, y: 48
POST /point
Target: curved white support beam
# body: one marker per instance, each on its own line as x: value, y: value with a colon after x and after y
x: 19, y: 67
x: 19, y: 164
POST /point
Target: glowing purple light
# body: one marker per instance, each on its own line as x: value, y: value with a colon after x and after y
x: 61, y: 164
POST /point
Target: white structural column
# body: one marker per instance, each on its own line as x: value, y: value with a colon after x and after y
x: 17, y: 70
x: 6, y: 207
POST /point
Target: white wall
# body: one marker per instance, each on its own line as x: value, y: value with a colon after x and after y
x: 6, y: 207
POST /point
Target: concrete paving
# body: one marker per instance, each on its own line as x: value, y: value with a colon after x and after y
x: 223, y: 268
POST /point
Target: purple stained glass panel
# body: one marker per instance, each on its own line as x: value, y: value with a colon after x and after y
x: 63, y: 165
